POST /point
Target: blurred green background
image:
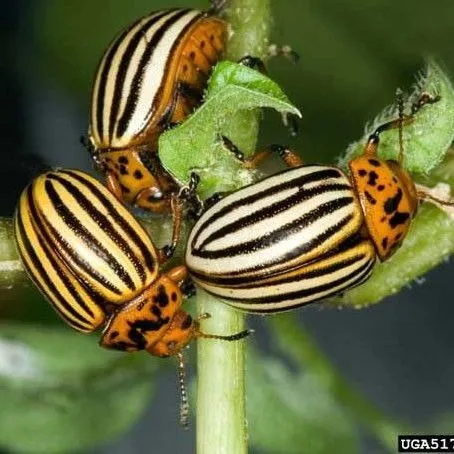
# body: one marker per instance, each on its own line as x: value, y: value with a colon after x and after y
x: 59, y: 392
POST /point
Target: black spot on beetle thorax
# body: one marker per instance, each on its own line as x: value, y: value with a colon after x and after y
x: 152, y: 321
x: 138, y: 175
x: 114, y: 335
x: 391, y: 207
x: 187, y: 323
x: 370, y: 198
x: 122, y: 346
x: 139, y: 328
x: 392, y: 203
x: 161, y: 299
x: 374, y: 162
x: 399, y: 219
x: 373, y: 177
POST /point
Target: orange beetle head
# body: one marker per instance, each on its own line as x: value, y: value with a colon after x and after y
x: 180, y: 332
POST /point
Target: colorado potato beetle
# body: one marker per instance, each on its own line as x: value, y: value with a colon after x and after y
x: 98, y: 267
x: 306, y: 233
x: 152, y: 76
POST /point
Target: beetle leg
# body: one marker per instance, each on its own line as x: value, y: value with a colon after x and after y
x: 253, y: 63
x: 233, y: 148
x: 113, y: 185
x: 232, y: 337
x: 423, y: 99
x: 291, y: 123
x: 373, y: 141
x: 184, y: 100
x: 168, y: 250
x: 290, y: 157
x: 188, y: 288
x: 190, y: 92
x: 178, y: 274
x: 189, y: 198
x: 273, y: 51
x: 153, y: 199
x: 186, y: 197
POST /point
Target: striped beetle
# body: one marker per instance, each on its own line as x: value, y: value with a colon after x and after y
x: 306, y: 233
x: 98, y: 267
x: 151, y: 76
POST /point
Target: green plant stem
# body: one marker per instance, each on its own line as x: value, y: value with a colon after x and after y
x: 221, y: 413
x: 12, y: 272
x: 298, y: 345
x: 221, y: 409
x: 251, y: 21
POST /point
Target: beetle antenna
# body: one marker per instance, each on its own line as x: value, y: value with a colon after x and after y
x: 232, y: 337
x: 436, y: 200
x: 428, y: 197
x: 84, y: 142
x: 184, y: 403
x: 400, y: 106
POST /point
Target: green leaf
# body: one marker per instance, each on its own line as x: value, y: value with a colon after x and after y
x: 196, y: 146
x: 428, y: 137
x: 294, y: 413
x: 65, y: 392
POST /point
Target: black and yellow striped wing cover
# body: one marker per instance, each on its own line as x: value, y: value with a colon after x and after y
x: 81, y: 246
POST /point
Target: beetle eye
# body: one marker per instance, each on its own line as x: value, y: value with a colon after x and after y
x: 99, y: 164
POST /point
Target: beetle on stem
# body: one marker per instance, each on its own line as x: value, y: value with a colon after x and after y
x: 99, y: 268
x: 307, y: 233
